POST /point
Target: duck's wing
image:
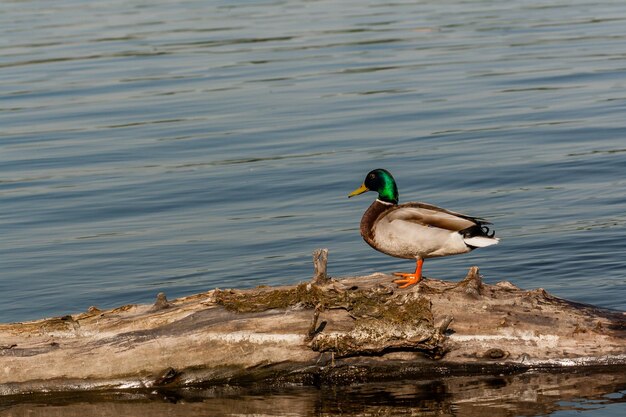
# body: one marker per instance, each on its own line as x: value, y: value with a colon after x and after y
x: 433, y: 216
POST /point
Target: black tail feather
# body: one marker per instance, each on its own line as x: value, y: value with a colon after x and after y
x: 479, y: 229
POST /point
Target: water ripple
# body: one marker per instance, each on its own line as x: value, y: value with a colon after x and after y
x: 151, y: 146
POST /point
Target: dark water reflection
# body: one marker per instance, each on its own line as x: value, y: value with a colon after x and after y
x: 531, y: 394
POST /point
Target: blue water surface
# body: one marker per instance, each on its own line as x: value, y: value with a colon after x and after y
x: 152, y: 146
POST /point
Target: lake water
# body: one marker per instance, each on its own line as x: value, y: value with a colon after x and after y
x: 152, y: 146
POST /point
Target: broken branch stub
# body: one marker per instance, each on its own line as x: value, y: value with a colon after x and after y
x: 320, y: 261
x: 472, y: 284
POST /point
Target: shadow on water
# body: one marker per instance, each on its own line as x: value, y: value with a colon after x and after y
x: 529, y: 394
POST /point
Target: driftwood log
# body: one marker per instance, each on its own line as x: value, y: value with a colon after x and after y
x: 317, y: 332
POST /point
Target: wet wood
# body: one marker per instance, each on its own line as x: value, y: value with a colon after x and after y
x: 322, y: 331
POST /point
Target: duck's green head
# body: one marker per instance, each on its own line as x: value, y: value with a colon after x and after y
x: 381, y: 181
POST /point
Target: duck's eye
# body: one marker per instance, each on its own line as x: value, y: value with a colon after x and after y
x: 372, y: 176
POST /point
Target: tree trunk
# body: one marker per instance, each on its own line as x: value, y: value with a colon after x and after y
x: 324, y: 331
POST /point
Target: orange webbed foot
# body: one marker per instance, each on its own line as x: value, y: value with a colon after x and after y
x: 410, y: 278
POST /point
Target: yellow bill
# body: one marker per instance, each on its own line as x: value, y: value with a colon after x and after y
x: 358, y: 191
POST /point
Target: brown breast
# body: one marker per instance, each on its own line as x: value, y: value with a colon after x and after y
x: 369, y: 217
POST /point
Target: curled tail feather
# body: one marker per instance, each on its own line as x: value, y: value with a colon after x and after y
x: 479, y: 236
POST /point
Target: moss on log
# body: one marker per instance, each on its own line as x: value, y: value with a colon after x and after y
x: 323, y: 331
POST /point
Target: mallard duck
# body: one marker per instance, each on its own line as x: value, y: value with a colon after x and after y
x: 416, y: 230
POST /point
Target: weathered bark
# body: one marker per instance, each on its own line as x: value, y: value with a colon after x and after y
x: 353, y: 329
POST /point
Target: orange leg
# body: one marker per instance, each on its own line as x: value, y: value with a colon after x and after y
x: 410, y: 279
